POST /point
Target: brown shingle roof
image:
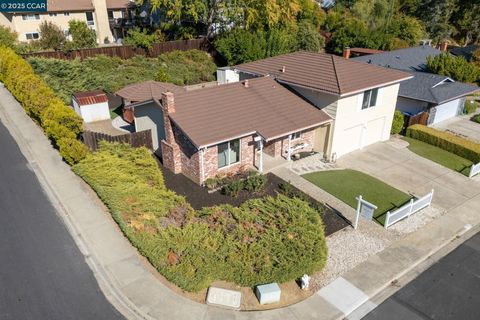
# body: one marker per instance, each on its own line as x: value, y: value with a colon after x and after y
x: 213, y: 115
x: 324, y: 72
x: 90, y: 97
x: 148, y: 90
x: 69, y: 5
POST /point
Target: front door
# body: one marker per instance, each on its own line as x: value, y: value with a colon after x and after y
x: 320, y: 141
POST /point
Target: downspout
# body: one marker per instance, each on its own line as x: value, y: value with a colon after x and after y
x: 202, y: 166
x: 261, y: 156
x: 289, y: 152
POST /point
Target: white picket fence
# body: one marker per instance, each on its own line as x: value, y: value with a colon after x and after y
x: 474, y: 170
x: 408, y: 209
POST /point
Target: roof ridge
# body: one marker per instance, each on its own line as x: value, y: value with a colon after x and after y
x: 336, y: 75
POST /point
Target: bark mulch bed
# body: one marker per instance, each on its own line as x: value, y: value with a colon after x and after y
x: 199, y: 197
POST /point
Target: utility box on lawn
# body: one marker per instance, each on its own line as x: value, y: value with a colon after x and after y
x: 268, y: 293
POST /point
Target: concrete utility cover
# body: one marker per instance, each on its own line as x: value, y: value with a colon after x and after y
x: 224, y: 298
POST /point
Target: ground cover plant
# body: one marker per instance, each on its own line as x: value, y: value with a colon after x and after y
x: 348, y: 184
x: 262, y: 240
x: 440, y: 156
x: 111, y: 74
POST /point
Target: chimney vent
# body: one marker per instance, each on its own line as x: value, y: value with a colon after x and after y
x: 346, y: 53
x: 246, y: 84
x: 283, y: 69
x: 444, y: 46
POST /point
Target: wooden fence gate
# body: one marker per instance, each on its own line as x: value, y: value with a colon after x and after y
x: 136, y: 139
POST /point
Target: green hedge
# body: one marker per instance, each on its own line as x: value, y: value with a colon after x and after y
x: 60, y: 122
x: 264, y: 240
x: 461, y: 147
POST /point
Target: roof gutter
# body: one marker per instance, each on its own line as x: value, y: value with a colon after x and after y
x: 298, y: 130
x: 342, y: 95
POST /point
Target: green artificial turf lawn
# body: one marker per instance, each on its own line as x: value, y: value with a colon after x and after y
x: 440, y: 156
x: 346, y: 185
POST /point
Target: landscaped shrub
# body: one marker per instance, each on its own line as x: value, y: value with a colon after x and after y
x: 397, y: 124
x: 233, y: 187
x: 255, y: 181
x: 263, y: 240
x: 470, y: 107
x: 59, y: 121
x: 476, y: 118
x: 461, y: 147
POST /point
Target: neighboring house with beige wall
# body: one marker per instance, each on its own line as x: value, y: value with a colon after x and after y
x: 96, y: 13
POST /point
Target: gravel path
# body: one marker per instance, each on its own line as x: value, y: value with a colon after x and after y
x: 348, y: 247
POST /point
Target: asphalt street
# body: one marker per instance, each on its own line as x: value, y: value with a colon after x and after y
x: 450, y: 289
x: 43, y: 275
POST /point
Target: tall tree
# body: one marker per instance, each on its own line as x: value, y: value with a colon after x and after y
x: 436, y: 15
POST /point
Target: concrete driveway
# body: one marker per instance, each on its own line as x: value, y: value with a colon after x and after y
x: 394, y: 164
x: 461, y: 126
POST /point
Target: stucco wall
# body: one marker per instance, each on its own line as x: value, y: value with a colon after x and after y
x: 26, y: 26
x: 355, y: 128
x: 150, y: 116
x: 323, y: 101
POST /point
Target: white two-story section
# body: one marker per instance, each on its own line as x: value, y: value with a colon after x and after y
x: 360, y: 98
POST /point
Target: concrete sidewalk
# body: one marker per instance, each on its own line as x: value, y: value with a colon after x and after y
x: 138, y: 294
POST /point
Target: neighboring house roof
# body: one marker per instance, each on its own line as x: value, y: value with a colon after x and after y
x: 69, y: 5
x: 119, y: 4
x: 434, y: 88
x: 148, y: 90
x: 365, y: 51
x: 323, y: 72
x: 410, y: 59
x: 466, y: 52
x: 90, y: 97
x: 213, y: 115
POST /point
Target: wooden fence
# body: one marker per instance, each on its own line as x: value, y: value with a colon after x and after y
x: 420, y: 118
x: 127, y: 52
x: 135, y: 139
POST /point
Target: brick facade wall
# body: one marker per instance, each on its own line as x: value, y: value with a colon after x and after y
x: 279, y: 147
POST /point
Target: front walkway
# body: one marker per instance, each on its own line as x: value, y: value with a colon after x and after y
x: 397, y: 166
x: 461, y: 126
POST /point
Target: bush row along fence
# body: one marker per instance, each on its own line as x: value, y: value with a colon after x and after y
x: 127, y: 52
x: 408, y: 209
x: 474, y: 170
x: 135, y: 139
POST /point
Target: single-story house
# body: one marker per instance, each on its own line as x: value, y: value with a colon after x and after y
x: 271, y: 108
x: 440, y: 96
x: 91, y: 106
x: 360, y: 98
x: 229, y: 128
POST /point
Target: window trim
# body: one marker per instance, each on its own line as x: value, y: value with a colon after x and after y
x: 32, y: 33
x: 370, y: 94
x: 66, y: 13
x: 231, y: 164
x: 30, y: 17
x: 299, y: 133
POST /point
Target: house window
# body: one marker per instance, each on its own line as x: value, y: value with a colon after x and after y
x: 66, y: 13
x: 31, y: 16
x: 89, y: 16
x: 369, y: 99
x: 297, y: 135
x: 52, y: 14
x: 32, y: 35
x: 110, y: 14
x: 228, y: 153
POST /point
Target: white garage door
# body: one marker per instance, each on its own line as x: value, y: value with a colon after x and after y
x: 374, y: 131
x: 350, y: 141
x: 445, y: 111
